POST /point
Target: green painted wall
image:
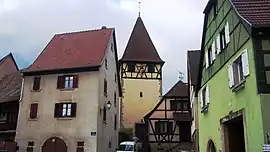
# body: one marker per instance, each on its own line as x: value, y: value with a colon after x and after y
x: 222, y: 98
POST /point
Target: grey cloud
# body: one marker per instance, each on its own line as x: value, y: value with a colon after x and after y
x: 175, y: 26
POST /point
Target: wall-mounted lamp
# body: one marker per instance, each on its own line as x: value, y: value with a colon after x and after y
x: 106, y: 106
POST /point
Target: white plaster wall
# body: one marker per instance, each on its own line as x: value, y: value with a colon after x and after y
x: 106, y: 132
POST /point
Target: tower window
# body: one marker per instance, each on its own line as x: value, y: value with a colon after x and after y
x: 141, y: 94
x: 151, y: 68
x: 131, y: 67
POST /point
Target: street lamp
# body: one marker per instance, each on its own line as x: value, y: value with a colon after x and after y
x: 108, y: 105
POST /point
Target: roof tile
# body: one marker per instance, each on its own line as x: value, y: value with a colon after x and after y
x: 140, y: 46
x: 73, y: 50
x: 256, y: 12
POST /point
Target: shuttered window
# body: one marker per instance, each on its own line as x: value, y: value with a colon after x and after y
x: 33, y: 110
x: 114, y: 100
x: 214, y: 52
x: 115, y: 122
x: 238, y: 70
x: 36, y: 83
x: 65, y: 110
x: 105, y: 87
x: 104, y: 114
x: 205, y: 97
x: 65, y: 82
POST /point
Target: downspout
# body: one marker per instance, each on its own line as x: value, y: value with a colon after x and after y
x: 22, y: 86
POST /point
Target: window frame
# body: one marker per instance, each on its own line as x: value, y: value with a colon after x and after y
x: 59, y: 109
x: 64, y: 82
x: 36, y: 83
x: 33, y: 112
x: 167, y: 127
x: 223, y: 44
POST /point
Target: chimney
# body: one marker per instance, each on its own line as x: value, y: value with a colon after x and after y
x: 103, y: 27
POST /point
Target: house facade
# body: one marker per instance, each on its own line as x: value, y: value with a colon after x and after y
x: 193, y: 59
x: 169, y: 122
x: 10, y: 87
x: 69, y: 99
x: 141, y: 78
x: 234, y: 76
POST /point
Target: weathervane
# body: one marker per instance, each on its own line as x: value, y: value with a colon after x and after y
x: 181, y: 75
x: 140, y: 1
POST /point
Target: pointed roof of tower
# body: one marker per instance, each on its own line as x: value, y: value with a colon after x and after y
x: 140, y: 46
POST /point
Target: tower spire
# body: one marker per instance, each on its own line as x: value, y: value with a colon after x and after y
x: 139, y: 7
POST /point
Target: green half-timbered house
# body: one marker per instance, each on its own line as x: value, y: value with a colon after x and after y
x: 234, y: 76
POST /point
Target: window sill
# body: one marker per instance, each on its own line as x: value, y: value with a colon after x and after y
x: 204, y: 109
x: 64, y: 118
x: 39, y: 90
x: 239, y: 86
x: 67, y: 89
x: 32, y: 119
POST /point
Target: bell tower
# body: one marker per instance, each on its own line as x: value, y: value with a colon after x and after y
x: 141, y: 77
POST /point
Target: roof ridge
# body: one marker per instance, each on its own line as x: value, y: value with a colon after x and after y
x: 83, y: 31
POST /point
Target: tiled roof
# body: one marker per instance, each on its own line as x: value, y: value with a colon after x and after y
x: 7, y: 65
x: 193, y: 65
x: 140, y: 46
x: 73, y: 50
x: 256, y: 12
x: 10, y: 87
x: 180, y: 89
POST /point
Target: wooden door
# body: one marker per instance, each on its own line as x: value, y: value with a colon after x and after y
x: 54, y: 144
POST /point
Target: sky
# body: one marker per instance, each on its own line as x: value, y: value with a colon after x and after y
x: 175, y: 26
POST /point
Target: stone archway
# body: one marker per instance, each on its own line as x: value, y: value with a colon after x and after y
x: 54, y: 144
x: 211, y: 146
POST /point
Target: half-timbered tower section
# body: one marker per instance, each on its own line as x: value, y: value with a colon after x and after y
x: 193, y: 59
x: 234, y: 80
x: 69, y: 100
x: 10, y: 86
x: 169, y: 122
x: 141, y: 76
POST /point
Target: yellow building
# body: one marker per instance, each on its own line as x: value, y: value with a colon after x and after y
x: 141, y: 76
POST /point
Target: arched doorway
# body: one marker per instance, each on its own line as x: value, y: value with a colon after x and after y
x: 54, y: 144
x: 211, y: 146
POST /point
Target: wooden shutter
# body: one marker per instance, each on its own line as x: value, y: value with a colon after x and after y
x: 105, y: 87
x: 218, y: 44
x: 104, y: 114
x: 33, y: 110
x: 201, y: 97
x: 115, y: 122
x: 227, y: 33
x: 245, y: 63
x: 206, y: 59
x: 207, y: 95
x: 213, y: 51
x: 231, y: 76
x: 57, y: 110
x: 36, y: 85
x: 75, y: 81
x: 73, y: 109
x: 60, y: 82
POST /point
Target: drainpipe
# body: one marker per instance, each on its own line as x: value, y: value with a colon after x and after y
x: 22, y: 86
